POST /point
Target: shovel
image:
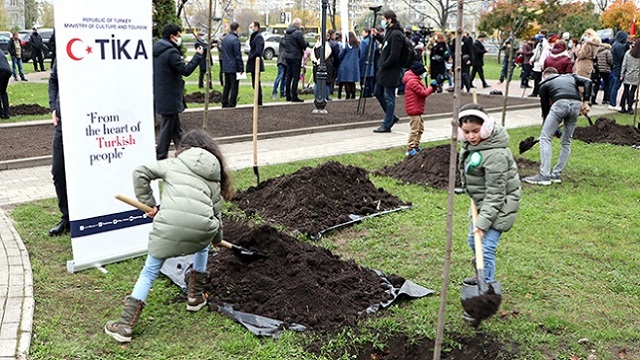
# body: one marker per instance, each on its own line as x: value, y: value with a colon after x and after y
x: 241, y: 252
x: 528, y: 143
x: 481, y: 300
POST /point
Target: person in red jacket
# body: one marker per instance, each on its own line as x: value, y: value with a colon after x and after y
x: 415, y: 94
x: 559, y: 58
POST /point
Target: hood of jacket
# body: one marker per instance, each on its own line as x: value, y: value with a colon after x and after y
x: 559, y: 54
x: 499, y: 139
x: 621, y: 36
x: 604, y: 46
x: 201, y: 162
x: 291, y: 29
x: 163, y: 45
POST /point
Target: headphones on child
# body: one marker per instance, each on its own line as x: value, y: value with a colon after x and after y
x: 487, y: 123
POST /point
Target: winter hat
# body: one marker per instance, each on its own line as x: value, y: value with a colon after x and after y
x: 418, y: 68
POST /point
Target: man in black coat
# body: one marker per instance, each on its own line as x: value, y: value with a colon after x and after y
x: 477, y: 60
x: 389, y: 69
x: 36, y: 50
x: 295, y: 45
x: 168, y: 85
x: 5, y: 75
x: 202, y: 43
x: 256, y: 47
x: 231, y: 66
x: 57, y: 160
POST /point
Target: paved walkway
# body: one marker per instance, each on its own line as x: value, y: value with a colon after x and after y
x: 29, y: 184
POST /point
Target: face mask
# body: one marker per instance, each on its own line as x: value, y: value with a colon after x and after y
x: 424, y: 76
x: 250, y: 31
x: 383, y: 23
x: 178, y: 41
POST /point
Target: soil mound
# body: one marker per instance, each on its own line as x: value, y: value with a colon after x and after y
x: 480, y: 347
x: 198, y: 97
x: 296, y: 283
x: 608, y: 131
x: 28, y: 109
x: 315, y: 198
x: 430, y: 167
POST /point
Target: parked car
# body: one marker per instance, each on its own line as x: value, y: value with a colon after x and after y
x: 5, y: 41
x: 45, y: 33
x: 271, y: 44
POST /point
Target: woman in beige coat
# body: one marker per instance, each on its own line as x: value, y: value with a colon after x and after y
x: 587, y: 53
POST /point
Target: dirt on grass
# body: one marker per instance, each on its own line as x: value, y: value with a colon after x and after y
x: 479, y: 347
x: 215, y: 96
x: 430, y: 167
x: 606, y: 130
x: 297, y: 282
x: 315, y: 198
x: 20, y: 142
x: 28, y: 109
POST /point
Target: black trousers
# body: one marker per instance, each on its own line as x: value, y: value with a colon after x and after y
x: 59, y: 173
x: 230, y: 90
x: 36, y: 57
x: 170, y: 129
x: 4, y: 97
x: 293, y: 77
x: 537, y: 78
x: 253, y: 84
x: 480, y: 71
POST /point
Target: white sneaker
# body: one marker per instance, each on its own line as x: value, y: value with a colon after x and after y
x: 616, y: 108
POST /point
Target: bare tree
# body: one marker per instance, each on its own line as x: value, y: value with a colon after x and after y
x: 602, y: 4
x: 439, y: 11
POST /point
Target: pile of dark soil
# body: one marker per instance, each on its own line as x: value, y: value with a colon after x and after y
x: 28, y: 109
x: 215, y: 96
x: 296, y: 283
x: 313, y: 199
x: 479, y: 347
x: 608, y: 131
x: 430, y: 167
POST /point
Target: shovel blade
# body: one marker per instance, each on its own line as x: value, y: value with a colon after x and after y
x: 245, y: 254
x: 481, y: 304
x: 527, y: 144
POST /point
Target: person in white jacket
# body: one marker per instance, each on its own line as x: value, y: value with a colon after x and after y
x: 540, y: 53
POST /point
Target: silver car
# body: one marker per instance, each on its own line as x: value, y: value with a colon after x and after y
x: 271, y: 45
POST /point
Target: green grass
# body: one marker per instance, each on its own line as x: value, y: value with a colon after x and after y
x: 569, y: 267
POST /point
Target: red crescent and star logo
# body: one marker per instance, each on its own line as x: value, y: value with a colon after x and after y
x: 88, y: 49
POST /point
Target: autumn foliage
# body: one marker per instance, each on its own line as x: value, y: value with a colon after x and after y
x: 620, y: 15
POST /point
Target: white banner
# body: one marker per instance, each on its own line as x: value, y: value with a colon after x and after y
x: 105, y: 76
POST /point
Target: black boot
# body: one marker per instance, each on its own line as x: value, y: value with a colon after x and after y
x: 62, y: 227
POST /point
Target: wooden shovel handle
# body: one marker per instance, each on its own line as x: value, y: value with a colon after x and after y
x: 477, y: 240
x: 146, y: 208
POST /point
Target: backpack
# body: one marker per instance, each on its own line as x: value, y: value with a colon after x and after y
x: 409, y: 53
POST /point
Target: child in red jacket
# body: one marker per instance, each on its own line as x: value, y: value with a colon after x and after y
x: 415, y: 94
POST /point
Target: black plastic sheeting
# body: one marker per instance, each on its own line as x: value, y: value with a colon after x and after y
x: 354, y: 220
x: 176, y: 269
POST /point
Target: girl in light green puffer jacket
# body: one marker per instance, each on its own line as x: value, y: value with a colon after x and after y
x: 195, y: 184
x: 489, y: 175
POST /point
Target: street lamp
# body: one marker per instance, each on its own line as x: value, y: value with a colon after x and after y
x: 320, y: 100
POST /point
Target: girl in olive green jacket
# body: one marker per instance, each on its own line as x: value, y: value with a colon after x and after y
x: 489, y: 175
x: 195, y: 184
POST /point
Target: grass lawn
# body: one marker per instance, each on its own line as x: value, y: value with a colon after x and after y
x: 569, y: 268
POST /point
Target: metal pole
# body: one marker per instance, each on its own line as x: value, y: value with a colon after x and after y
x: 320, y: 100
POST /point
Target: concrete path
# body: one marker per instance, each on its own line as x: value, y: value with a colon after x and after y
x: 34, y: 183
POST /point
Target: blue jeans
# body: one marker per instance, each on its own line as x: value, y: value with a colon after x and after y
x: 152, y: 268
x: 386, y: 96
x: 615, y: 86
x: 17, y: 62
x: 316, y: 89
x: 280, y: 80
x: 561, y: 110
x: 489, y: 245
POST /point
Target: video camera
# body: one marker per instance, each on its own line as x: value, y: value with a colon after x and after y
x: 375, y: 8
x: 425, y: 31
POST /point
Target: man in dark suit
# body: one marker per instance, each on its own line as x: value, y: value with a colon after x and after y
x: 295, y: 45
x: 477, y: 61
x: 168, y: 85
x: 36, y: 50
x: 231, y: 66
